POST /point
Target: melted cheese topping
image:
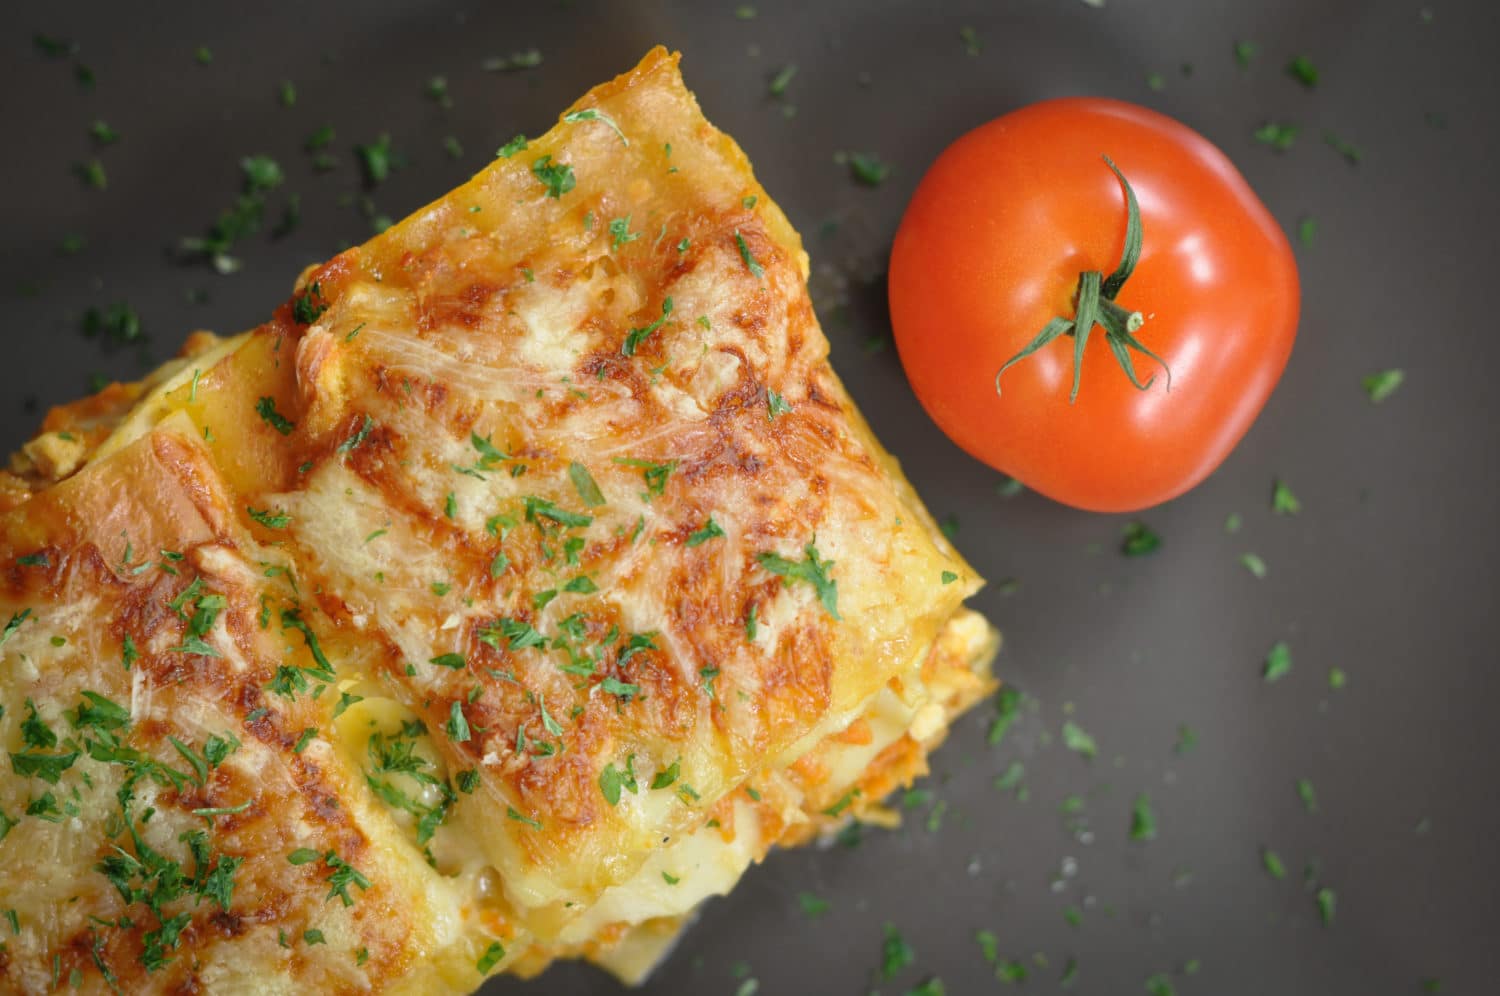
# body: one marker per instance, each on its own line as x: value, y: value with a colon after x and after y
x: 511, y: 548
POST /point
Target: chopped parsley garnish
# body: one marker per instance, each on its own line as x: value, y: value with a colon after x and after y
x: 14, y: 624
x: 1277, y: 135
x: 756, y: 270
x: 1142, y: 819
x: 54, y: 48
x: 813, y: 570
x: 344, y: 875
x: 620, y: 689
x: 1007, y: 711
x: 844, y: 802
x: 620, y: 233
x: 1078, y: 741
x: 989, y: 945
x: 517, y: 144
x: 490, y: 958
x: 1307, y: 794
x: 594, y: 114
x: 612, y: 780
x: 710, y: 530
x: 1327, y: 901
x: 1139, y: 540
x: 195, y: 645
x: 656, y: 474
x: 266, y: 409
x: 1352, y: 153
x: 1380, y: 386
x: 666, y: 776
x: 635, y: 337
x: 102, y: 133
x: 119, y: 322
x: 895, y: 953
x: 1307, y: 230
x: 518, y: 635
x: 319, y: 139
x: 775, y: 405
x: 1272, y: 863
x: 1011, y: 971
x: 1278, y: 663
x: 582, y: 584
x: 310, y: 305
x: 455, y: 661
x: 92, y: 174
x: 269, y: 519
x: 360, y: 435
x: 1254, y: 564
x: 812, y: 906
x: 1303, y: 71
x: 515, y: 814
x: 1245, y: 53
x: 782, y: 80
x: 457, y: 726
x: 48, y: 767
x: 709, y: 674
x: 1011, y: 779
x: 540, y: 508
x: 1160, y: 985
x: 556, y: 177
x: 637, y: 643
x: 948, y: 577
x: 375, y: 160
x: 585, y: 485
x: 1283, y: 502
x: 868, y: 169
x: 34, y: 732
x: 1337, y: 679
x: 1187, y: 739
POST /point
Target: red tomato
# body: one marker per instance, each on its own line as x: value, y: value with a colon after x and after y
x: 991, y: 249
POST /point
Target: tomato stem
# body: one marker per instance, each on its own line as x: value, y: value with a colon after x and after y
x: 1095, y: 303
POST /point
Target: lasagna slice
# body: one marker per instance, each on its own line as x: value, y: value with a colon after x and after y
x: 522, y: 580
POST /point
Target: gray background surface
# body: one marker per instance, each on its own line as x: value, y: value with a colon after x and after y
x: 1389, y: 572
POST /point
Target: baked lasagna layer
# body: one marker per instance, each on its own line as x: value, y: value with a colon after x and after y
x: 528, y: 549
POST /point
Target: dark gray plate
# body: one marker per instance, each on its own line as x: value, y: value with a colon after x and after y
x: 1389, y: 572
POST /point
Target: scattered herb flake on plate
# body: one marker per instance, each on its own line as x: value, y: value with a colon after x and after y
x: 1380, y: 386
x: 1142, y: 819
x: 1139, y: 540
x: 868, y: 169
x: 1078, y: 741
x: 1277, y: 135
x: 1303, y: 71
x: 1278, y: 663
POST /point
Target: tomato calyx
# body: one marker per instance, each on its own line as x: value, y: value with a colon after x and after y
x: 1094, y: 304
